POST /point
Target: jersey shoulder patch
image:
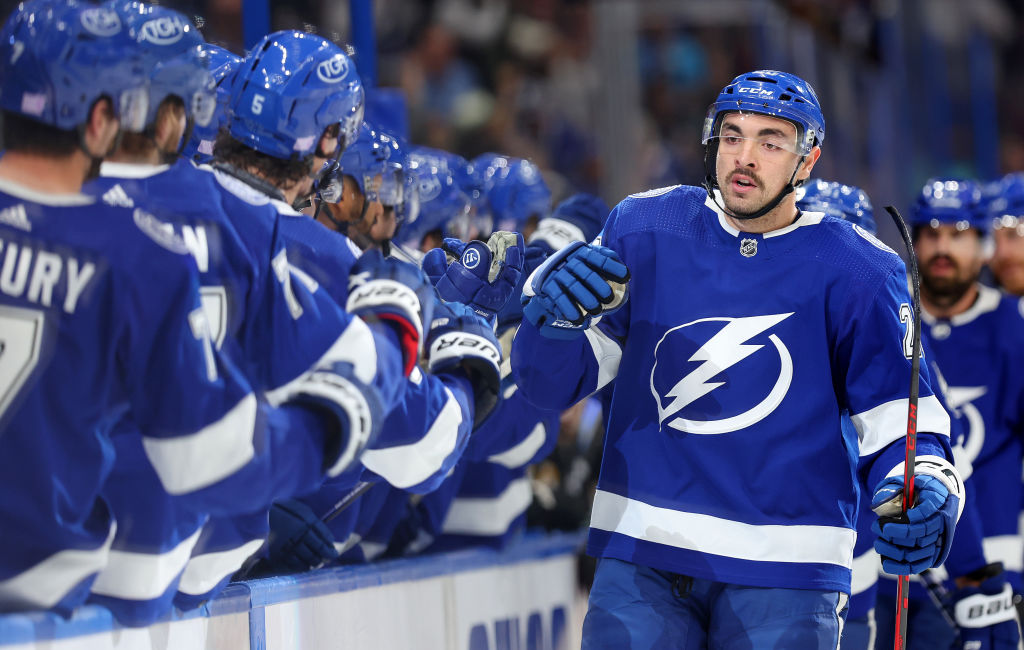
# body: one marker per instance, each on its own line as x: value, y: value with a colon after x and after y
x: 159, y: 231
x: 871, y: 239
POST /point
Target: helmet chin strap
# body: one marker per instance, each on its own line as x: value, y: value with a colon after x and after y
x: 711, y: 183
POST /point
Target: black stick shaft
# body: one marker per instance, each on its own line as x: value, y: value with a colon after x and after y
x: 903, y: 586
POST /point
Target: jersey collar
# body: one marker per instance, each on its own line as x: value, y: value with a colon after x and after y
x: 131, y: 170
x: 805, y: 219
x: 16, y: 190
x: 987, y: 301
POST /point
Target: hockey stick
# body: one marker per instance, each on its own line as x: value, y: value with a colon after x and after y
x: 347, y: 500
x: 903, y: 583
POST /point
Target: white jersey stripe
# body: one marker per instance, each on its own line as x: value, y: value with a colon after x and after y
x: 143, y: 576
x: 724, y: 537
x: 865, y: 571
x: 191, y: 462
x: 406, y: 465
x: 489, y: 517
x: 522, y: 453
x: 204, y: 571
x: 886, y: 423
x: 43, y: 585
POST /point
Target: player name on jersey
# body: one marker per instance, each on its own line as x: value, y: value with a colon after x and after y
x: 40, y: 276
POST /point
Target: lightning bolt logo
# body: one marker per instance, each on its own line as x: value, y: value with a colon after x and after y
x: 724, y: 350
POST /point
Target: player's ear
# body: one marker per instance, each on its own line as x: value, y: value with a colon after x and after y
x: 808, y: 164
x: 101, y: 128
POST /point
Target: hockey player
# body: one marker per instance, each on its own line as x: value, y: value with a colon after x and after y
x: 249, y: 305
x: 973, y: 333
x: 930, y: 628
x: 104, y: 300
x: 1007, y: 212
x: 726, y: 502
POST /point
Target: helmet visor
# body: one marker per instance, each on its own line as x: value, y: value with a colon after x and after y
x: 798, y: 140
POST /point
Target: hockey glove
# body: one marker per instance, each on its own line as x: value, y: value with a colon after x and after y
x: 460, y: 339
x: 985, y: 612
x: 298, y: 540
x: 920, y: 538
x: 571, y: 287
x: 395, y: 293
x: 355, y: 410
x: 482, y: 276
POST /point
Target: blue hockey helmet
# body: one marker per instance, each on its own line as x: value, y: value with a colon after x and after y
x: 837, y: 200
x: 438, y: 197
x: 950, y: 201
x: 367, y: 161
x: 58, y: 58
x: 291, y: 87
x: 515, y: 190
x: 221, y: 64
x: 175, y: 57
x: 1005, y: 209
x: 775, y: 94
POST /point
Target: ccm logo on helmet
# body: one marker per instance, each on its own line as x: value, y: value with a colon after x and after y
x: 757, y: 91
x: 101, y: 22
x: 333, y: 70
x: 162, y: 31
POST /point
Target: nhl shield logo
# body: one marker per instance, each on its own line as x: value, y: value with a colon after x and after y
x: 748, y: 247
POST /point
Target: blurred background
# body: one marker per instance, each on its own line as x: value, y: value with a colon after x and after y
x: 608, y: 96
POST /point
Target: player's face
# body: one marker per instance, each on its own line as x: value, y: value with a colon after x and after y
x: 755, y: 160
x: 950, y: 259
x: 1008, y: 260
x: 384, y: 228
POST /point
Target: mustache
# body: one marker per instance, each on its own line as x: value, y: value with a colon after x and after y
x: 946, y: 258
x: 740, y: 172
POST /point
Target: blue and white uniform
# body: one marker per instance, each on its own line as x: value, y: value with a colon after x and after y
x: 981, y: 352
x: 722, y: 359
x: 101, y: 307
x: 277, y: 327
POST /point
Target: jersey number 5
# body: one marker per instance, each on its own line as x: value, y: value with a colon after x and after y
x: 907, y: 317
x: 21, y: 339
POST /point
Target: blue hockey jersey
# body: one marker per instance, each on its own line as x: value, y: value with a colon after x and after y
x: 277, y: 325
x: 101, y: 317
x: 733, y: 360
x: 981, y: 353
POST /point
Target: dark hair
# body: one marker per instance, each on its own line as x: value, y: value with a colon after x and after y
x: 278, y: 171
x: 26, y: 135
x: 137, y: 144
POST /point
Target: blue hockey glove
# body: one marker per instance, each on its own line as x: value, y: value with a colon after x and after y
x: 298, y: 540
x: 461, y: 339
x: 395, y: 293
x: 920, y: 538
x: 571, y: 287
x: 482, y: 276
x: 986, y: 613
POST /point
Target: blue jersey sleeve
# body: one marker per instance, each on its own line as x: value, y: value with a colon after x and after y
x: 425, y: 434
x: 555, y: 374
x: 872, y: 357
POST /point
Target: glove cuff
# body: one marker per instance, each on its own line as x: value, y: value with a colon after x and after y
x: 940, y: 468
x: 985, y: 610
